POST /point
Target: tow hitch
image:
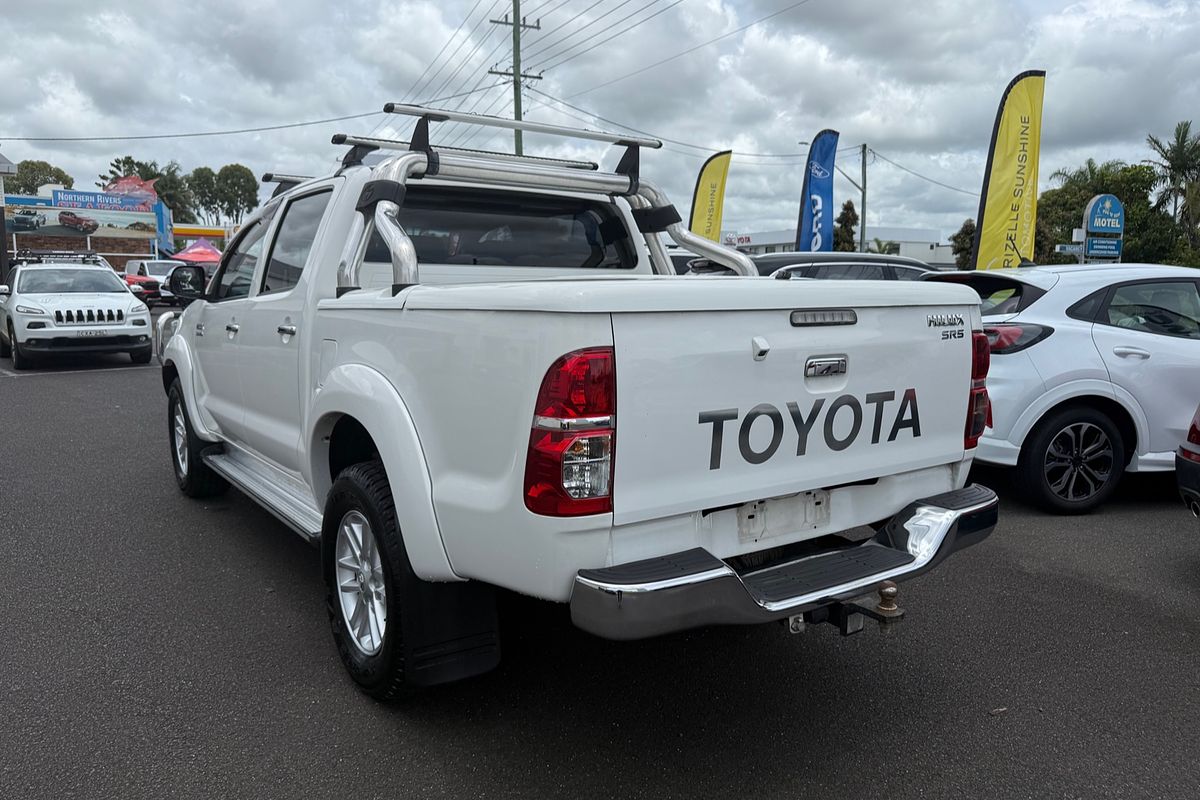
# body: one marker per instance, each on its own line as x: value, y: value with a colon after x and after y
x: 850, y: 617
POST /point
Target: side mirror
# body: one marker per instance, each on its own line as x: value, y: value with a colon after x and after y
x: 5, y: 291
x: 187, y: 282
x: 136, y: 289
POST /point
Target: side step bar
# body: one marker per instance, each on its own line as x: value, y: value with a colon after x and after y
x: 292, y: 510
x: 695, y: 588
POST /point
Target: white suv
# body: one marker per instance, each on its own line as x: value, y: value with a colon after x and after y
x: 1095, y: 371
x: 70, y: 307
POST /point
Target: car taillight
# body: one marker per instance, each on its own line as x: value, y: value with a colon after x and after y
x: 568, y: 469
x: 1194, y: 431
x: 979, y: 411
x: 1012, y: 337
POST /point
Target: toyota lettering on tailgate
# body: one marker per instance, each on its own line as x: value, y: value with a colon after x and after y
x: 848, y: 407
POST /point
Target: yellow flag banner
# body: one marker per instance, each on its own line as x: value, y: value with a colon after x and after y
x: 1004, y: 230
x: 708, y: 200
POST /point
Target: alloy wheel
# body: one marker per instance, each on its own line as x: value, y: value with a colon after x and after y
x: 179, y: 434
x: 1078, y: 461
x: 361, y: 589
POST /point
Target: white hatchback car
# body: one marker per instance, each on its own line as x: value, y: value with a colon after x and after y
x: 1095, y: 371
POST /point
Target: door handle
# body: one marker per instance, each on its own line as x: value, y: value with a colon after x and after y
x: 233, y: 327
x: 286, y: 330
x: 1131, y: 352
x: 199, y: 328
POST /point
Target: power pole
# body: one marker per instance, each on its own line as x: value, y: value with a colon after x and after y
x: 518, y: 24
x: 862, y: 228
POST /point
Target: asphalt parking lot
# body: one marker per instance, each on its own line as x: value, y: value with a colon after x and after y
x: 155, y: 646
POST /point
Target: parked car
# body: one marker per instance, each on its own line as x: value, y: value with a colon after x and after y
x: 157, y: 269
x: 60, y: 307
x: 1094, y: 372
x: 149, y: 290
x: 829, y: 266
x: 26, y: 219
x: 1187, y: 467
x: 70, y: 219
x: 756, y: 420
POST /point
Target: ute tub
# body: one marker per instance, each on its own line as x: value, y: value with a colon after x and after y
x: 694, y: 588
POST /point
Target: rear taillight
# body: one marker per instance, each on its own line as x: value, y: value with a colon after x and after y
x: 979, y: 411
x: 568, y: 470
x: 1194, y: 430
x: 1012, y: 337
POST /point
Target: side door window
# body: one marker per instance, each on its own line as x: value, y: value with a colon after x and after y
x: 234, y: 276
x: 1168, y: 308
x: 907, y: 273
x: 293, y: 241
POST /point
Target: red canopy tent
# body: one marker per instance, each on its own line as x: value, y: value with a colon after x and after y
x: 200, y: 251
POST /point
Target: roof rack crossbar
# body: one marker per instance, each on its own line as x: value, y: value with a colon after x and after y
x: 439, y: 115
x: 279, y: 177
x: 398, y: 144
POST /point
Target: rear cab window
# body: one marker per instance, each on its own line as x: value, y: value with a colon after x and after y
x: 452, y: 225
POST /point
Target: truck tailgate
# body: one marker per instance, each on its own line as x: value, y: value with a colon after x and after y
x: 703, y: 423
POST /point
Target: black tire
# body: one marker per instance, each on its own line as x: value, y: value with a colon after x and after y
x: 141, y: 357
x: 364, y: 488
x: 195, y: 478
x: 19, y: 359
x: 5, y: 347
x: 1072, y: 461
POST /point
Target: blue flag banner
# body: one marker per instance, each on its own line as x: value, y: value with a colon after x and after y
x: 814, y: 231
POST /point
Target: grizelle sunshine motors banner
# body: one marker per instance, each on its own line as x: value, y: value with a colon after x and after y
x: 708, y: 200
x: 1004, y: 231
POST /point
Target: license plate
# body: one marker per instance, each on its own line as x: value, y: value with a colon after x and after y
x: 782, y: 516
x: 93, y: 333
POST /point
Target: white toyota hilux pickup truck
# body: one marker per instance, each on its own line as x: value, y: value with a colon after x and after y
x: 462, y: 371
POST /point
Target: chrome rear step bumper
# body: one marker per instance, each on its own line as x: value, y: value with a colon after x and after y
x: 695, y: 588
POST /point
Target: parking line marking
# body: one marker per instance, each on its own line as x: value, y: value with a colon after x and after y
x: 9, y: 374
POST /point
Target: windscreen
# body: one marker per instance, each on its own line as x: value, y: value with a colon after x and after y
x: 160, y: 269
x: 997, y: 295
x: 69, y: 281
x: 450, y: 225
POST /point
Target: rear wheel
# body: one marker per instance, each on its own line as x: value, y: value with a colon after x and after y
x: 1072, y: 461
x: 365, y: 570
x: 195, y: 478
x: 5, y: 345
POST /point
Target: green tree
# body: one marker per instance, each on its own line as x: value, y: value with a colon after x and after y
x: 886, y: 248
x: 844, y: 225
x: 1177, y: 164
x: 237, y: 190
x: 203, y: 183
x: 171, y: 184
x: 31, y: 174
x: 962, y: 243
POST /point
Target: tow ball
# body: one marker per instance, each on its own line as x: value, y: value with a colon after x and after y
x: 850, y: 617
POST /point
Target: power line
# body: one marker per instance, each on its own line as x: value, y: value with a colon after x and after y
x: 692, y: 49
x: 551, y: 45
x: 466, y: 39
x: 412, y: 89
x: 618, y: 33
x: 231, y: 132
x: 572, y: 19
x: 923, y: 177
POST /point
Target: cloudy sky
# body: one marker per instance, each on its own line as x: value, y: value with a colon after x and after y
x: 917, y: 81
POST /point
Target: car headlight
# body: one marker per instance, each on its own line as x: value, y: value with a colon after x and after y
x: 29, y: 310
x: 138, y: 308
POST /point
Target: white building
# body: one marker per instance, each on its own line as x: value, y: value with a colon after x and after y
x: 920, y: 243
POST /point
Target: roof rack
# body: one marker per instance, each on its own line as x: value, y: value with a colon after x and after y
x: 285, y: 181
x: 383, y: 193
x: 396, y: 144
x: 438, y: 115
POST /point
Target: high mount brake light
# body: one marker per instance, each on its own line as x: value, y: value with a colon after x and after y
x: 1012, y: 337
x: 979, y: 409
x: 568, y: 468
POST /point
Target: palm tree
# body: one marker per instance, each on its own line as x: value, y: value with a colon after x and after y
x: 887, y: 248
x: 1092, y: 177
x: 1178, y: 164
